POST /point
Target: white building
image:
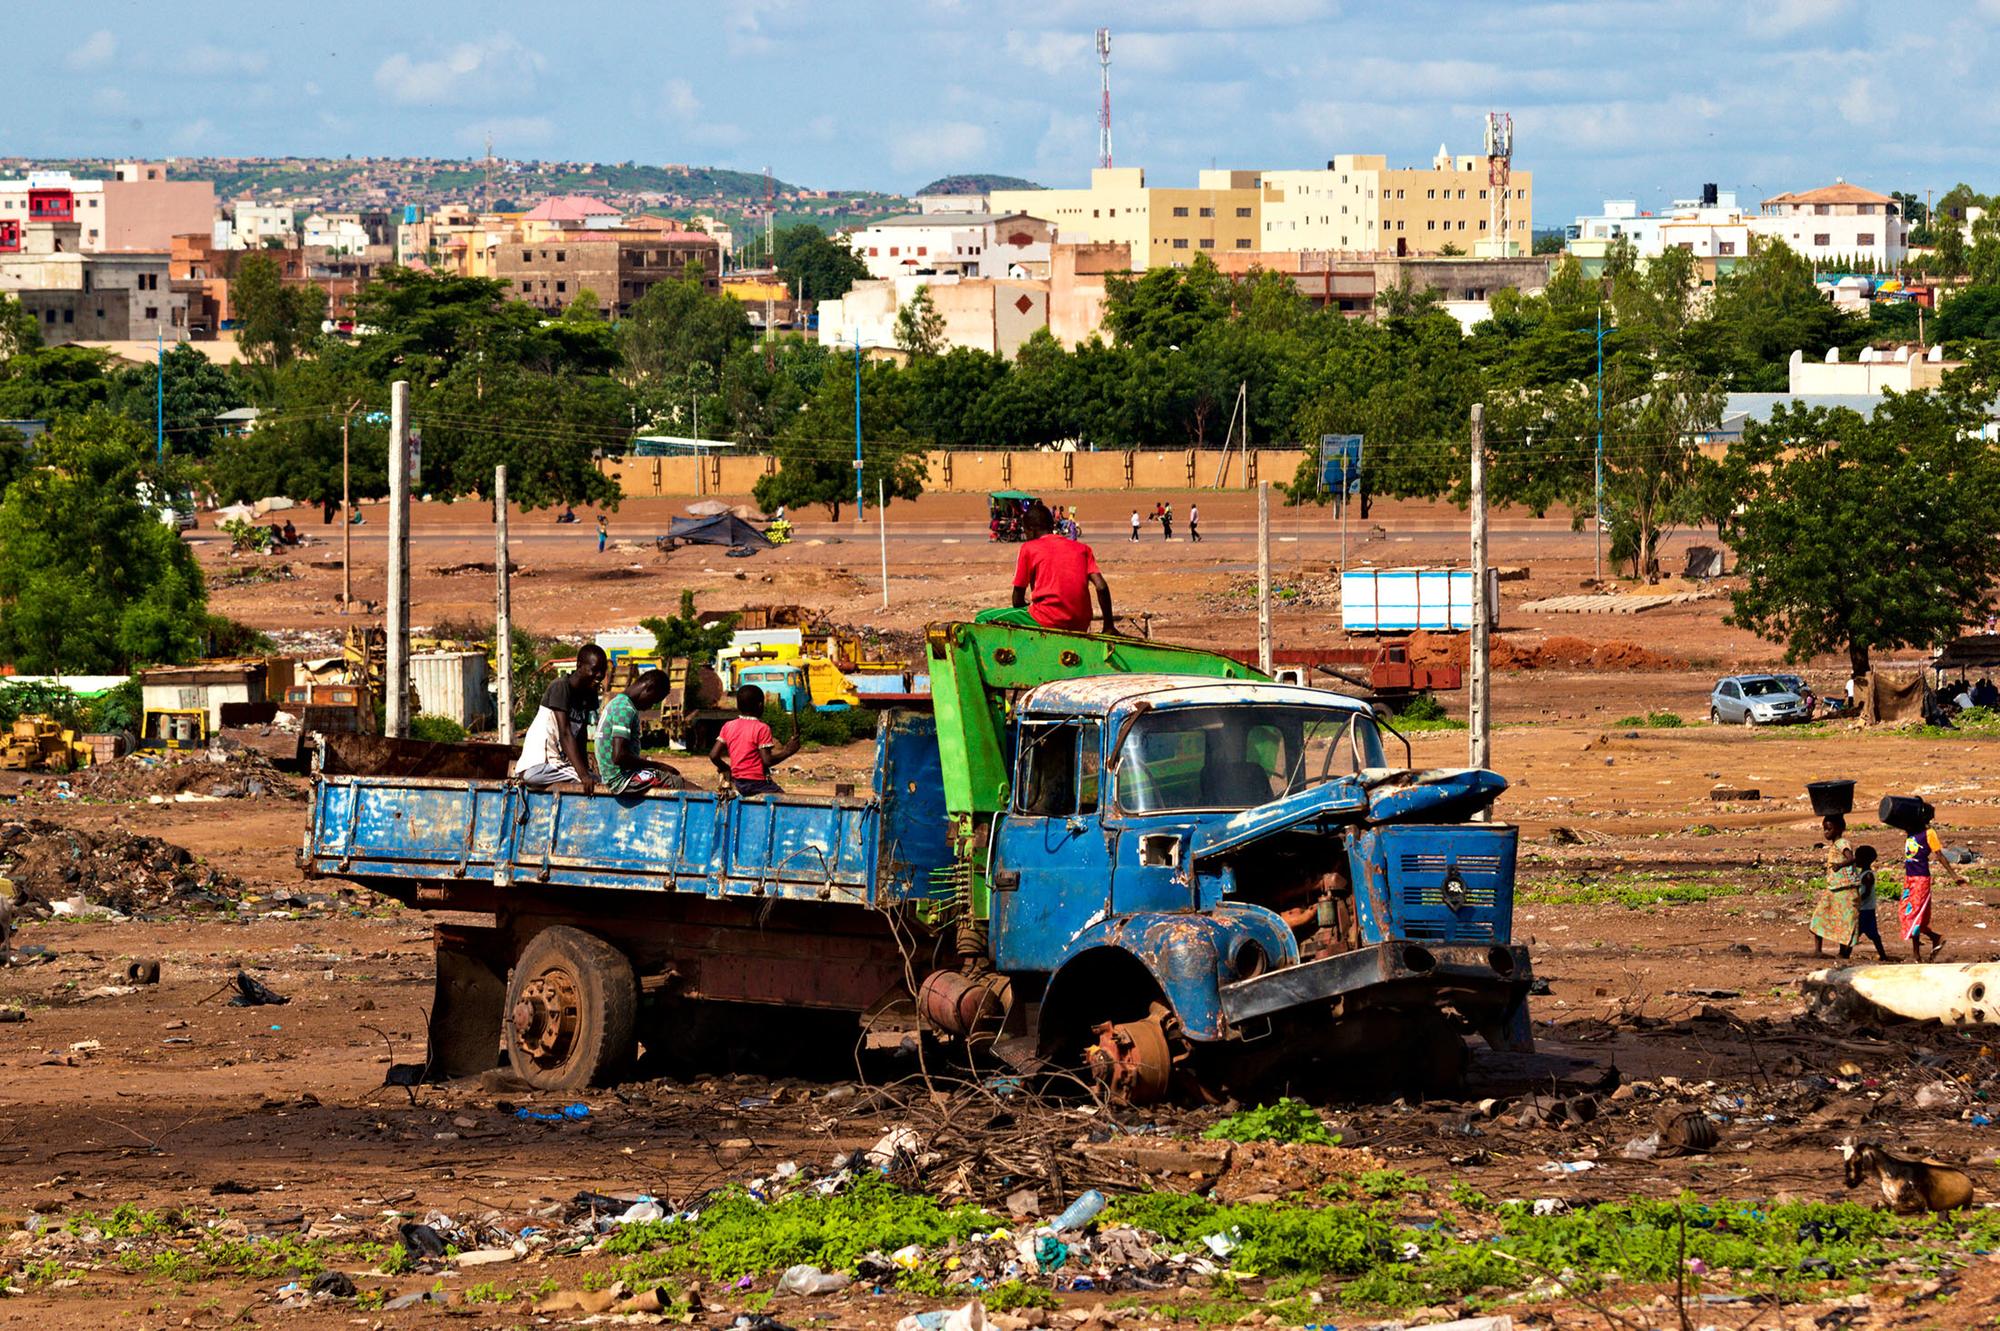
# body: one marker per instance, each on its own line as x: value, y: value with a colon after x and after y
x: 1713, y: 226
x: 984, y: 314
x: 253, y: 226
x: 1839, y: 224
x: 956, y: 244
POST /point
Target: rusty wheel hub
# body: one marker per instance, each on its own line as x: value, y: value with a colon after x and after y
x: 1134, y: 1060
x: 546, y: 1017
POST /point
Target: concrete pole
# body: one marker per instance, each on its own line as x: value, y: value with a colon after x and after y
x: 1481, y: 734
x: 396, y: 688
x: 882, y: 534
x: 1264, y: 576
x: 503, y: 610
x: 346, y: 520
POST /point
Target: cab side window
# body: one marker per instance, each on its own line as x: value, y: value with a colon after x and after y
x: 1089, y: 766
x: 1045, y: 785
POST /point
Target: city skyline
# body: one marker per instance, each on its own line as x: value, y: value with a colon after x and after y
x: 1610, y: 100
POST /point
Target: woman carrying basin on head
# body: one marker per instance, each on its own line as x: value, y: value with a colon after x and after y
x: 1836, y: 917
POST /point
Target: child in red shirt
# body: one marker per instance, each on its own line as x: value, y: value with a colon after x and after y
x: 746, y: 750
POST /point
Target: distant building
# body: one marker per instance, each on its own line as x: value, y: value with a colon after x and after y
x: 1839, y: 224
x: 725, y: 237
x: 349, y: 232
x: 201, y: 272
x: 952, y: 203
x: 1161, y: 227
x: 618, y: 266
x: 77, y: 296
x: 255, y: 226
x: 563, y: 213
x: 956, y: 244
x: 1360, y: 205
x: 1351, y: 283
x: 138, y: 210
x: 983, y: 314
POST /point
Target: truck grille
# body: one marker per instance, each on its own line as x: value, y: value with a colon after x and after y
x: 1420, y: 862
x: 1458, y: 930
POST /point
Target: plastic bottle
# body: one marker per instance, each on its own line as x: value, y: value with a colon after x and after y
x: 1081, y: 1212
x: 811, y: 1280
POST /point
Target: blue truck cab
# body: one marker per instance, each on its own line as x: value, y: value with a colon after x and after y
x: 1090, y: 860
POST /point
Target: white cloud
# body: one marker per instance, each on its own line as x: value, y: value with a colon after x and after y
x: 510, y: 133
x: 944, y: 145
x: 743, y: 25
x: 1785, y: 18
x: 1055, y: 53
x: 677, y: 96
x: 492, y: 69
x: 214, y: 61
x: 110, y: 101
x: 95, y: 52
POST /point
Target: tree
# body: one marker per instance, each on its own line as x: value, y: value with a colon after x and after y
x: 1972, y: 315
x: 275, y: 320
x: 816, y: 451
x: 1165, y: 307
x: 197, y: 391
x: 919, y: 326
x: 90, y: 580
x: 686, y: 636
x: 19, y: 330
x: 295, y: 449
x: 47, y: 382
x: 583, y: 308
x: 550, y: 430
x: 1861, y: 534
x: 677, y: 325
x: 814, y: 266
x: 1764, y: 309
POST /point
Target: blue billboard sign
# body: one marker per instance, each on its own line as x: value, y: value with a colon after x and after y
x: 1340, y: 463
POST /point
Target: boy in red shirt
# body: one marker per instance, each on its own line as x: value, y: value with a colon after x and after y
x: 746, y: 750
x: 1053, y: 579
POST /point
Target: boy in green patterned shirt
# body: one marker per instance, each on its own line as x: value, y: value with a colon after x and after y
x: 619, y: 765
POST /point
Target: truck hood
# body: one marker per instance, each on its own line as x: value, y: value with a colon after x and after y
x: 1441, y: 794
x: 1340, y: 800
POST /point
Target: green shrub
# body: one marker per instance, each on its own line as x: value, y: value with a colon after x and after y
x: 1650, y: 721
x: 37, y: 699
x: 1423, y: 707
x: 1284, y: 1120
x: 436, y: 729
x: 817, y: 728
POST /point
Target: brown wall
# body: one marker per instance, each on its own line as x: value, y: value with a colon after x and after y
x: 146, y: 215
x: 977, y: 473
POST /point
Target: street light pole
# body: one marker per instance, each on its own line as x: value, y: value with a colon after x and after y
x: 1597, y: 517
x: 346, y: 513
x: 857, y: 426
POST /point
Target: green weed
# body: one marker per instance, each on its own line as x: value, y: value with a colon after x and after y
x: 487, y: 1291
x: 1634, y: 891
x: 1650, y: 721
x: 1009, y: 1295
x: 1386, y: 1183
x: 1283, y: 1120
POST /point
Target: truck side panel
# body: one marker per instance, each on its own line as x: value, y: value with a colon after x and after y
x: 909, y: 780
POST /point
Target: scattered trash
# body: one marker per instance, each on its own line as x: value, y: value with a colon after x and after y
x: 972, y: 1317
x: 1684, y: 1133
x: 639, y: 1212
x: 810, y: 1280
x: 421, y: 1241
x: 9, y: 1014
x: 142, y: 972
x: 1080, y: 1212
x: 252, y: 992
x: 332, y: 1285
x: 567, y: 1114
x: 1500, y: 1323
x: 1568, y: 1166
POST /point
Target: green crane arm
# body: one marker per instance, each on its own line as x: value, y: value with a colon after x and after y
x: 976, y: 672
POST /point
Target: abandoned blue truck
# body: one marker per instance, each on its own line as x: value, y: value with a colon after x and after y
x: 1139, y: 863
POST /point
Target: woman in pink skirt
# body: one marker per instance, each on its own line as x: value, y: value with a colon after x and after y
x: 1918, y: 848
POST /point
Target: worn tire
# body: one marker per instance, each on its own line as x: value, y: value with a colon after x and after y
x: 1749, y: 721
x: 1714, y: 717
x: 596, y: 1021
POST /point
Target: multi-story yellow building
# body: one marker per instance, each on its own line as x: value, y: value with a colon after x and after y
x: 1358, y: 203
x: 1163, y: 227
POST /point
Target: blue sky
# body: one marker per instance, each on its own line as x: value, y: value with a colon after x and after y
x: 1610, y: 99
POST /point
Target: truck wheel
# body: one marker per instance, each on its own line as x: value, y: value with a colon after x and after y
x: 572, y: 1011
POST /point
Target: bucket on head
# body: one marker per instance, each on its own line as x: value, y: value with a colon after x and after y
x: 1831, y: 796
x: 1906, y: 813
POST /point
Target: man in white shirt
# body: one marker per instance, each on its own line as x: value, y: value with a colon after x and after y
x: 552, y: 751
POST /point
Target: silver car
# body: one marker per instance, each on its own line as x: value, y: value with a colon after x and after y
x: 1754, y: 700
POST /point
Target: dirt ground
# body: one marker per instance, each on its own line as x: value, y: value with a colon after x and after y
x: 1669, y: 926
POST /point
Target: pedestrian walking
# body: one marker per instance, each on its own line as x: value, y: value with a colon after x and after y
x: 1167, y: 523
x: 1919, y: 848
x: 1135, y: 524
x: 603, y: 533
x: 1194, y: 523
x: 1835, y: 919
x: 1865, y: 907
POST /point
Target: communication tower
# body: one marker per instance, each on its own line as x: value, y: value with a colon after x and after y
x: 1104, y: 97
x: 1499, y: 171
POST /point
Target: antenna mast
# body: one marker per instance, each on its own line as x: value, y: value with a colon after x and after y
x: 1499, y: 171
x: 771, y: 256
x: 1104, y: 97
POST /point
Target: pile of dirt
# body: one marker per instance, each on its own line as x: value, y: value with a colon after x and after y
x: 155, y: 775
x: 109, y: 867
x: 1558, y: 653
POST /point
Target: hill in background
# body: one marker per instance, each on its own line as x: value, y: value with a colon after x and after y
x: 975, y: 184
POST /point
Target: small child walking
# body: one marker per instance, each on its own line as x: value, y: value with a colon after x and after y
x: 1918, y: 850
x: 1864, y: 905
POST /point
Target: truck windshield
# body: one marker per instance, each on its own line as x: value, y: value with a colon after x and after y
x: 1239, y: 757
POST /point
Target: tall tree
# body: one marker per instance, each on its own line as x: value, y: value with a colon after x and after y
x: 19, y: 330
x: 295, y: 449
x: 1165, y: 307
x: 90, y: 580
x: 677, y: 325
x: 1764, y: 309
x: 919, y: 326
x: 46, y: 382
x: 275, y: 320
x: 816, y: 451
x: 816, y: 267
x: 197, y: 390
x: 1856, y: 535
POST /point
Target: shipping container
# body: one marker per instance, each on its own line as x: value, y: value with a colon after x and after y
x: 453, y: 684
x: 1405, y: 600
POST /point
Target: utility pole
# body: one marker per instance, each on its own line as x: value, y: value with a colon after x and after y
x: 882, y: 533
x: 397, y: 688
x: 159, y: 397
x: 1481, y: 735
x: 1264, y: 576
x: 857, y: 426
x: 1597, y: 517
x: 503, y: 610
x: 346, y: 514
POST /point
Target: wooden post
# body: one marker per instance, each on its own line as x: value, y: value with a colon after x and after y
x: 1264, y: 576
x: 1481, y: 734
x: 503, y: 610
x: 396, y: 688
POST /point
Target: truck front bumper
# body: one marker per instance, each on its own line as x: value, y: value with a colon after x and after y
x: 1386, y: 973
